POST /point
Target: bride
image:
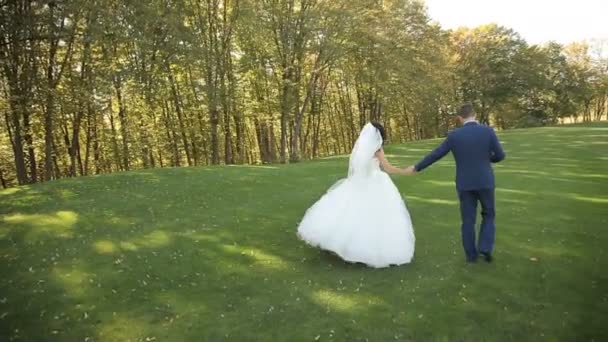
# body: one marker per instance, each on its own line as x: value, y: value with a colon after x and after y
x: 363, y: 218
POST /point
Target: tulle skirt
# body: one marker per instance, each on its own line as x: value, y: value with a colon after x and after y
x: 362, y: 219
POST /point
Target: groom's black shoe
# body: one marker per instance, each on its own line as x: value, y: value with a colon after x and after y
x: 487, y: 256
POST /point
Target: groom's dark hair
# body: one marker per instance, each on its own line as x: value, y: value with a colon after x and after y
x: 466, y: 111
x: 380, y: 129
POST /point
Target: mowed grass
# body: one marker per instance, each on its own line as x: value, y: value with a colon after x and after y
x: 211, y: 254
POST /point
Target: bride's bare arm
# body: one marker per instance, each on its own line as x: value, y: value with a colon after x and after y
x: 388, y: 167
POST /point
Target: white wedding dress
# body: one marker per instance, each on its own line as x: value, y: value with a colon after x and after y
x: 362, y: 218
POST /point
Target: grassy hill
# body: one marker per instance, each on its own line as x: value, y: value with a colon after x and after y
x: 211, y: 254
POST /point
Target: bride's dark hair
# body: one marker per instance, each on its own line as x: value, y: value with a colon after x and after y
x: 380, y: 129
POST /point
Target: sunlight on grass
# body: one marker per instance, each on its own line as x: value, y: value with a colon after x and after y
x: 118, y: 221
x: 73, y: 279
x: 523, y: 172
x: 432, y: 200
x: 343, y: 303
x: 128, y: 246
x: 197, y: 237
x: 586, y: 143
x: 584, y: 175
x: 513, y: 191
x: 598, y: 200
x: 10, y: 191
x: 268, y: 260
x: 150, y: 177
x: 440, y: 183
x: 343, y: 156
x: 105, y: 247
x: 174, y: 303
x: 233, y: 249
x: 59, y: 224
x: 410, y: 149
x: 334, y: 300
x: 157, y: 238
x: 261, y: 258
x: 254, y: 167
x: 508, y: 200
x: 66, y: 194
x: 122, y: 327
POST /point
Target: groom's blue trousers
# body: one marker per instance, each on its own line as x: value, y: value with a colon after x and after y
x: 468, y: 212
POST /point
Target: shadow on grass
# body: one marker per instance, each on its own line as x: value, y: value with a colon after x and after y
x: 173, y: 284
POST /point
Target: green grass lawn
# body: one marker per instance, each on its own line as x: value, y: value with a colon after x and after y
x: 211, y: 254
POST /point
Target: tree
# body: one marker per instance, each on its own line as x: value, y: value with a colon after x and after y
x: 491, y: 66
x: 89, y: 87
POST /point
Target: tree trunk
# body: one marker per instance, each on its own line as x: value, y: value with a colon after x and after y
x: 228, y: 155
x: 124, y: 128
x: 215, y: 146
x: 17, y: 144
x: 265, y: 141
x: 50, y: 97
x: 316, y: 134
x: 18, y: 149
x: 180, y: 116
x: 299, y: 112
x: 171, y: 136
x: 53, y: 77
x: 600, y: 106
x: 240, y: 137
x: 114, y: 138
x: 208, y: 25
x: 2, y: 180
x: 48, y: 137
x: 88, y: 140
x: 285, y: 110
x: 74, y: 148
x: 226, y: 106
x: 96, y: 147
x: 199, y: 132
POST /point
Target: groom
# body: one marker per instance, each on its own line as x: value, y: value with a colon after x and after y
x: 474, y: 147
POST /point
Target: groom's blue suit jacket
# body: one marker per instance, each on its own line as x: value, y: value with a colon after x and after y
x: 474, y: 147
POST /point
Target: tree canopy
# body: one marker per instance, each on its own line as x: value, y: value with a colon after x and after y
x: 98, y: 86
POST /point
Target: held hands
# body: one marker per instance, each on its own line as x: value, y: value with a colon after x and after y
x: 410, y: 170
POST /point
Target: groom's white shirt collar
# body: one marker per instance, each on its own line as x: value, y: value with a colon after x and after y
x: 469, y: 120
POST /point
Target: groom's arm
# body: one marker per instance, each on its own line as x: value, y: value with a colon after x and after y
x: 497, y: 154
x: 434, y: 156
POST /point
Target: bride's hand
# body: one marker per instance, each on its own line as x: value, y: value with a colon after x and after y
x: 410, y: 170
x: 386, y: 166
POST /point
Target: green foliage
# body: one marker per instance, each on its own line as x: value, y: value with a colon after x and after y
x: 90, y: 87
